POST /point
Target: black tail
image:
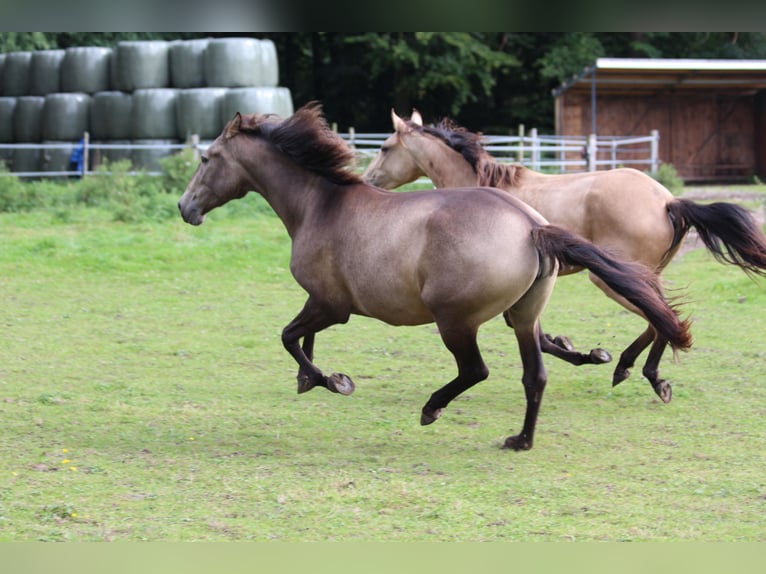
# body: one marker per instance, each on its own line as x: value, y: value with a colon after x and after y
x: 635, y: 282
x: 729, y: 232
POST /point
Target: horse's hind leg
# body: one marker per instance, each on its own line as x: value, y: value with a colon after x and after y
x: 534, y: 380
x: 561, y: 348
x: 631, y: 353
x: 312, y: 318
x: 652, y: 372
x: 461, y: 342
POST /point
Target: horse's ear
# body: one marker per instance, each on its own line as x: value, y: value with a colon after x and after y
x: 248, y: 122
x: 416, y: 118
x: 234, y: 126
x: 399, y: 124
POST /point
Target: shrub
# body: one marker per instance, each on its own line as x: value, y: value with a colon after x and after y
x: 177, y: 170
x: 668, y: 176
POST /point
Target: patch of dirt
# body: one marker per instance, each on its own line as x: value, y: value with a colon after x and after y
x: 731, y: 194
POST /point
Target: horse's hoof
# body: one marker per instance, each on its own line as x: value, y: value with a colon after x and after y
x: 305, y: 384
x: 517, y: 443
x: 340, y: 383
x: 600, y: 356
x: 427, y: 416
x: 620, y: 375
x: 563, y: 342
x: 663, y: 390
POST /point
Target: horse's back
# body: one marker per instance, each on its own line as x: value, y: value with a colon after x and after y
x: 623, y: 210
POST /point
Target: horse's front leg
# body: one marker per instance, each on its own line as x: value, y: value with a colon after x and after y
x: 313, y: 318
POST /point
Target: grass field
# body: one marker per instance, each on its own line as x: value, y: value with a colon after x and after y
x: 145, y: 395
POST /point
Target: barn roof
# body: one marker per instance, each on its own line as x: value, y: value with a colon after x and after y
x: 654, y: 76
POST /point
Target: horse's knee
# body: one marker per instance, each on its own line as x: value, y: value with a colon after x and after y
x: 288, y: 340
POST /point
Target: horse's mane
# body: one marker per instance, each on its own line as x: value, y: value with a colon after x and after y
x: 468, y: 144
x: 309, y: 141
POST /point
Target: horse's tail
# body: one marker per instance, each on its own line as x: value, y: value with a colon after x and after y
x: 728, y: 231
x: 633, y: 281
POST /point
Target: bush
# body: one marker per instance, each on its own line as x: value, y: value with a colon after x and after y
x: 668, y: 176
x: 18, y: 196
x: 114, y: 187
x: 177, y: 170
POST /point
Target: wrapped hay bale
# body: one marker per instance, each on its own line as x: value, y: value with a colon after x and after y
x: 198, y: 111
x: 110, y: 116
x: 7, y: 107
x: 2, y: 65
x: 154, y: 114
x: 148, y: 158
x: 141, y: 65
x: 111, y: 153
x: 187, y: 63
x: 56, y: 158
x: 25, y: 160
x: 16, y: 73
x: 86, y: 69
x: 6, y: 159
x: 256, y: 100
x: 65, y: 116
x: 27, y: 119
x: 241, y: 62
x: 45, y: 72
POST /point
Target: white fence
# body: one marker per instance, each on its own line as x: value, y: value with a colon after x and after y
x: 552, y: 154
x: 555, y: 154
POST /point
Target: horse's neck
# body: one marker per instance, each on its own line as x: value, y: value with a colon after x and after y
x: 292, y: 191
x: 444, y: 166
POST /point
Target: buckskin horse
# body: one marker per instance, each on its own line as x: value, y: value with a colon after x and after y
x: 623, y: 211
x: 456, y: 257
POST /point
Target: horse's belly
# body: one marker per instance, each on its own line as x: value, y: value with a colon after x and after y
x: 394, y: 304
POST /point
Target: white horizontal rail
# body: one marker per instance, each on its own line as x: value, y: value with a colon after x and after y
x: 546, y: 152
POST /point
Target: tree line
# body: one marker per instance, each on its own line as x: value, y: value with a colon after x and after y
x: 487, y: 81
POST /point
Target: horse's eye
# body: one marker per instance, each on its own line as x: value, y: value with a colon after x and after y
x: 203, y: 159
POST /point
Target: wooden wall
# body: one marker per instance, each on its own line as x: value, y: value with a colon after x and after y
x: 705, y: 136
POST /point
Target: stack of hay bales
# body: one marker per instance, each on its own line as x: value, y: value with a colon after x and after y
x: 146, y: 93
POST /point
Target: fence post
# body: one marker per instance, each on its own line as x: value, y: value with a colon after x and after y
x: 535, y: 142
x: 85, y: 153
x: 520, y: 152
x: 194, y: 145
x: 655, y: 152
x: 351, y: 136
x: 592, y: 152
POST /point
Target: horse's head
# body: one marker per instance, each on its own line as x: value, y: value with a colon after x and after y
x: 394, y: 165
x: 219, y: 177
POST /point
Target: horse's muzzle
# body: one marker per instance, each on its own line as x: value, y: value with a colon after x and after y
x: 190, y: 213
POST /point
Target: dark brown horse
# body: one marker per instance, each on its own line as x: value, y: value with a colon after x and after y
x: 455, y: 257
x: 623, y: 211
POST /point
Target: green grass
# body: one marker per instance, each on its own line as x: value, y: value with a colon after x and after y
x: 145, y: 395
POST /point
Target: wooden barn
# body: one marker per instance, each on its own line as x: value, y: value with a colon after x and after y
x: 710, y: 114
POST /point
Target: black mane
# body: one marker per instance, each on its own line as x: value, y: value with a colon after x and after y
x: 307, y: 139
x: 468, y: 144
